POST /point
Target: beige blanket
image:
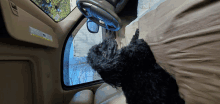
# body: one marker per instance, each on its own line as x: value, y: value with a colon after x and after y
x: 184, y: 36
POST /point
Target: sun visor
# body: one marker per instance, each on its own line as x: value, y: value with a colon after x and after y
x: 184, y: 36
x: 23, y: 26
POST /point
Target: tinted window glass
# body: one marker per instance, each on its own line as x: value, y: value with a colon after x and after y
x: 56, y: 9
x: 75, y: 67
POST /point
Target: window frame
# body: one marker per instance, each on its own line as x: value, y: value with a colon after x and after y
x: 81, y: 21
x: 49, y: 15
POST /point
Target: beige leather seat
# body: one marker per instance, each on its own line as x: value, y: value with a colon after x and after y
x: 105, y: 94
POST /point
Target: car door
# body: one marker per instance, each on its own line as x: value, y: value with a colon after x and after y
x: 33, y: 41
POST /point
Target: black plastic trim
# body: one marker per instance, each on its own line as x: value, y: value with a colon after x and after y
x: 113, y: 2
x: 3, y: 31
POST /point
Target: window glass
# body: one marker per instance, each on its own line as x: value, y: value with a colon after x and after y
x: 56, y: 9
x: 76, y: 70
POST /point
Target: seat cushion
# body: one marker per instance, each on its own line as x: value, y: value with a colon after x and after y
x: 83, y: 97
x: 106, y: 92
x: 118, y: 98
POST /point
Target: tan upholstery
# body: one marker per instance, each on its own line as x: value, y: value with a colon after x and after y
x: 130, y: 31
x: 185, y: 39
x: 105, y: 94
x: 83, y: 97
x: 118, y: 98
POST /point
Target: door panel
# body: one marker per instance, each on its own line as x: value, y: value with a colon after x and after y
x: 45, y: 84
x: 16, y: 82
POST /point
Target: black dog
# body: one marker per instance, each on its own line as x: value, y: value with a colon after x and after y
x: 134, y: 68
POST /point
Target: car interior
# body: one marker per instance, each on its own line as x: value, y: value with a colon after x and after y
x: 43, y: 45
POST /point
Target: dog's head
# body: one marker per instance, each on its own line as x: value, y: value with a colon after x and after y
x: 116, y: 66
x: 102, y: 53
x: 103, y: 59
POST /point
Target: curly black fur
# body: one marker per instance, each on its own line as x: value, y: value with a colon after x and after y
x: 134, y: 68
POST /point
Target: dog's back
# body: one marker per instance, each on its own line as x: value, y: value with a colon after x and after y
x: 134, y: 68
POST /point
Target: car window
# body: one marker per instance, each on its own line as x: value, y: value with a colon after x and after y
x: 76, y: 70
x: 56, y: 9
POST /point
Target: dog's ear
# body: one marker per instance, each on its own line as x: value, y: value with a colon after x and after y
x: 139, y: 52
x: 135, y: 36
